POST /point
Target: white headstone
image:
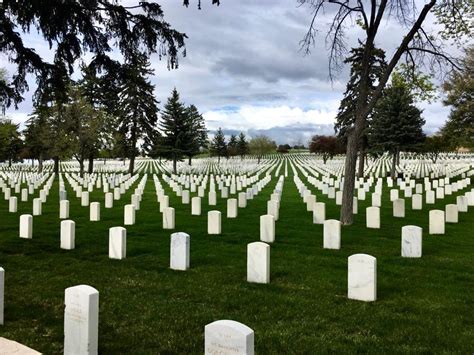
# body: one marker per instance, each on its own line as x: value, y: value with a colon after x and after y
x: 81, y: 320
x: 168, y: 218
x: 94, y: 213
x: 85, y: 198
x: 416, y: 202
x: 319, y: 213
x: 332, y: 234
x: 129, y: 215
x: 63, y: 209
x: 242, y: 197
x: 267, y: 228
x: 2, y: 294
x: 436, y: 222
x: 258, y: 262
x: 109, y: 200
x: 362, y: 277
x: 228, y: 337
x: 179, y: 251
x: 411, y: 241
x: 117, y: 243
x: 452, y: 213
x: 373, y: 217
x: 399, y: 208
x: 68, y: 234
x: 232, y: 208
x: 196, y: 206
x: 26, y: 226
x: 214, y: 219
x: 13, y: 204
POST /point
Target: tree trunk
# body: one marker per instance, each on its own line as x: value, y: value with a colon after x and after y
x: 175, y: 164
x: 325, y: 159
x: 56, y: 165
x: 259, y: 157
x: 90, y: 170
x: 40, y: 163
x: 218, y: 159
x: 394, y: 164
x: 131, y: 166
x: 189, y: 162
x: 362, y: 155
x: 9, y: 162
x: 346, y: 216
x: 81, y: 167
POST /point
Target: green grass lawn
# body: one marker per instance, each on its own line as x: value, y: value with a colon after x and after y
x: 424, y: 305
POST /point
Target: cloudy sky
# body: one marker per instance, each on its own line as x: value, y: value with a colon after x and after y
x: 244, y: 69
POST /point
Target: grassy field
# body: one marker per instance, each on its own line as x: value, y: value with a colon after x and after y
x: 424, y: 305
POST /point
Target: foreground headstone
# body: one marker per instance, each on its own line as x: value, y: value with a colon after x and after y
x: 258, y: 262
x: 94, y: 213
x: 117, y: 243
x: 228, y: 337
x: 452, y: 214
x: 411, y: 241
x: 319, y: 213
x: 416, y: 202
x: 2, y: 295
x: 214, y: 222
x: 37, y: 207
x: 129, y: 215
x: 179, y: 253
x: 399, y: 208
x: 168, y: 218
x: 68, y: 234
x: 373, y: 217
x: 332, y: 234
x: 267, y: 228
x: 64, y: 209
x: 81, y: 320
x: 196, y: 206
x: 362, y: 277
x: 13, y: 204
x: 232, y: 208
x: 436, y: 222
x: 109, y: 200
x: 26, y: 226
x: 10, y: 347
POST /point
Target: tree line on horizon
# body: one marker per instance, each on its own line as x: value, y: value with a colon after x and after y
x: 137, y: 30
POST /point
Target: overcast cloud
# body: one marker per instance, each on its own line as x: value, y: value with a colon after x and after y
x: 244, y: 69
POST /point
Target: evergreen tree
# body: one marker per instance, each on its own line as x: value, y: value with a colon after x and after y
x: 198, y: 132
x: 233, y: 146
x: 10, y: 141
x: 219, y: 145
x: 346, y: 115
x: 138, y: 106
x: 242, y: 145
x: 176, y: 128
x: 396, y: 124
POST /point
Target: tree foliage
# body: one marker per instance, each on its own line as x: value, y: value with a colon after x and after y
x: 176, y: 129
x: 459, y: 89
x: 10, y: 141
x: 261, y: 145
x: 396, y: 124
x: 327, y: 146
x: 219, y: 145
x: 73, y: 28
x: 138, y: 106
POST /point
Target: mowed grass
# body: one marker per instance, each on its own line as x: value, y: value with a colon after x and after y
x: 424, y: 305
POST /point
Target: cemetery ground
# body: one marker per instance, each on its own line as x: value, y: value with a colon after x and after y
x: 423, y: 304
